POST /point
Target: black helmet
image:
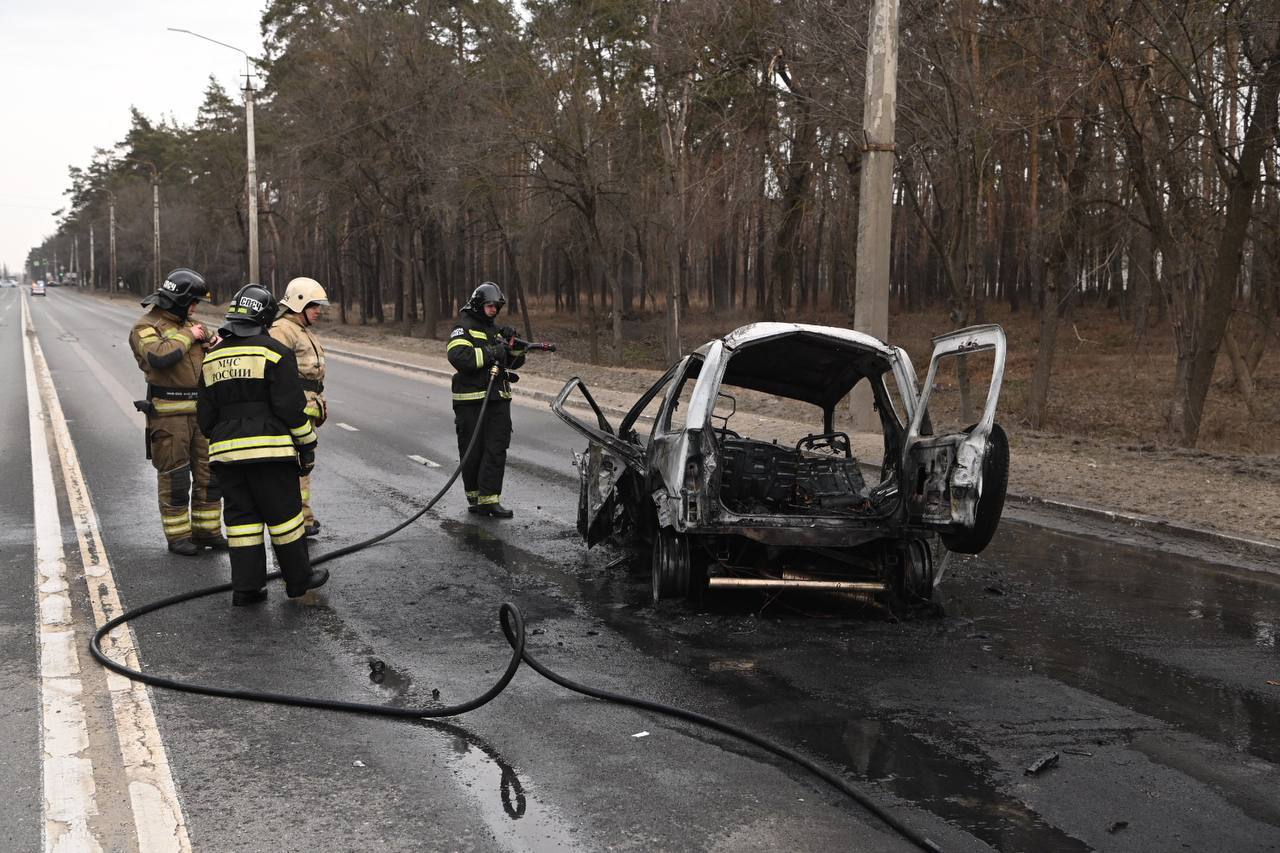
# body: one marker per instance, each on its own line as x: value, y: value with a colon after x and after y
x: 253, y: 308
x: 181, y: 289
x: 483, y: 295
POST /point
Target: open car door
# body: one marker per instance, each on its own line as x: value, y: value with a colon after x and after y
x: 955, y: 482
x: 604, y: 463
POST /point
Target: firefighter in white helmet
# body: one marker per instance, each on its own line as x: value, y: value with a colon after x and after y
x: 301, y: 306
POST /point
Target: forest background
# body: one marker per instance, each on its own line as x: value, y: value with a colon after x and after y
x: 1099, y: 176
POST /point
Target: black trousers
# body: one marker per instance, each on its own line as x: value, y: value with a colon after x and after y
x: 261, y: 499
x: 482, y: 471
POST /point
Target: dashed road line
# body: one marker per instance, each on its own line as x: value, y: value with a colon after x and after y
x: 157, y: 814
x: 422, y: 460
x: 349, y: 427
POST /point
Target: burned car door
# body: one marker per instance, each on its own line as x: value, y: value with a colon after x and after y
x: 606, y: 460
x: 955, y: 482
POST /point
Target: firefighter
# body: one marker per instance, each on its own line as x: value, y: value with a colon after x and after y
x: 477, y: 345
x: 300, y: 307
x: 252, y: 407
x: 169, y: 347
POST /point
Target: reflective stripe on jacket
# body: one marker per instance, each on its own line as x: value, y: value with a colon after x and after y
x: 471, y: 361
x: 251, y: 405
x: 170, y: 357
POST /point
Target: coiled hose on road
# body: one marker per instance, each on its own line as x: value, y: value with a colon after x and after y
x: 513, y: 628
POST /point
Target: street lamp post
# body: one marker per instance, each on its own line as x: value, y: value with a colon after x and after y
x: 251, y: 171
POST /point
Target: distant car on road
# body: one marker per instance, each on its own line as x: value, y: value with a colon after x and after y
x: 37, y: 288
x: 789, y: 506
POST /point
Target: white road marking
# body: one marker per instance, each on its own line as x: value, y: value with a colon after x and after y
x: 157, y: 813
x: 422, y: 460
x: 349, y: 427
x: 69, y: 790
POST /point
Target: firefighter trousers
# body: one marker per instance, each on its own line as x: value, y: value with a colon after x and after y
x: 190, y: 499
x: 262, y: 499
x: 482, y: 471
x: 304, y: 483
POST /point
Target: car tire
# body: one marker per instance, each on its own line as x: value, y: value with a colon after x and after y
x: 671, y: 566
x: 995, y: 482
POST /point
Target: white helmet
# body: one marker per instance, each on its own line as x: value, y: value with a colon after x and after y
x: 302, y: 292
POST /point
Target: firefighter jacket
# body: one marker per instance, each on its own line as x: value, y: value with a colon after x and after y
x: 169, y: 355
x: 289, y: 331
x: 251, y: 404
x: 475, y: 345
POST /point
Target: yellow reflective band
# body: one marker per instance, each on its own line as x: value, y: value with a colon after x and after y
x: 473, y: 493
x: 206, y: 523
x: 251, y: 441
x: 302, y: 431
x: 174, y: 407
x: 306, y: 495
x: 459, y: 342
x: 231, y: 352
x: 176, y: 523
x: 179, y: 334
x: 244, y: 529
x: 484, y: 336
x: 148, y: 333
x: 285, y: 526
x: 253, y: 453
x: 504, y: 395
x: 245, y: 541
x: 488, y: 499
x: 470, y: 395
x: 206, y: 513
x: 479, y: 357
x: 312, y: 410
x: 286, y: 538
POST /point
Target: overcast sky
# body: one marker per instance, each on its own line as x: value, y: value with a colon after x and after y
x: 70, y: 70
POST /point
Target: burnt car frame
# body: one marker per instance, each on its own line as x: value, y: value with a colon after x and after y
x: 714, y: 509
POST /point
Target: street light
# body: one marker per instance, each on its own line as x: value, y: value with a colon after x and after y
x: 251, y: 179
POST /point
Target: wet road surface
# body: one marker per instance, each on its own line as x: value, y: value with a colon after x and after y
x: 1146, y: 673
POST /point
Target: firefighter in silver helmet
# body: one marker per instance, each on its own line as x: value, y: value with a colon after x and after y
x: 301, y: 306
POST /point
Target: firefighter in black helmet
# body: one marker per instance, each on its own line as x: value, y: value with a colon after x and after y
x: 252, y: 407
x: 169, y: 348
x: 476, y: 346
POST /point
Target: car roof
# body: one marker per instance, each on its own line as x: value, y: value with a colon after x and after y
x: 798, y: 361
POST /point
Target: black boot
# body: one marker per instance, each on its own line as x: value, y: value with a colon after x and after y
x: 494, y: 511
x: 315, y: 580
x: 242, y: 597
x: 312, y: 528
x: 184, y: 547
x: 214, y: 543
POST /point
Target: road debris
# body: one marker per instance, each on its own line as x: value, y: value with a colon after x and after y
x: 1117, y: 826
x: 1082, y: 752
x: 1041, y: 764
x: 641, y: 734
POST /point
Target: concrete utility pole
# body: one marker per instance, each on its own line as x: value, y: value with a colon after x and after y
x: 155, y: 212
x: 111, y: 199
x: 93, y: 271
x: 251, y: 176
x: 875, y: 195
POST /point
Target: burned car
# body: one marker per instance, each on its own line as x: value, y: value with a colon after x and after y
x: 688, y: 478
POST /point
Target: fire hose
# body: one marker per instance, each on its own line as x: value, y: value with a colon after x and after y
x: 513, y: 628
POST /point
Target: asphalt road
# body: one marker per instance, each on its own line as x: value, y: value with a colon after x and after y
x: 1146, y: 673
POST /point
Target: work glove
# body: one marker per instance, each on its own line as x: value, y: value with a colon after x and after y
x: 499, y: 354
x: 507, y: 332
x: 306, y: 461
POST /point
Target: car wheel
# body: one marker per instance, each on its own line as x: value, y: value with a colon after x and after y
x: 671, y: 566
x: 995, y: 482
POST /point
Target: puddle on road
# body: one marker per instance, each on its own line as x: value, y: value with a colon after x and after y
x: 959, y: 791
x: 1104, y: 627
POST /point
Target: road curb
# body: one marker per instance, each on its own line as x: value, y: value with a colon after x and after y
x: 1147, y: 524
x: 1153, y: 525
